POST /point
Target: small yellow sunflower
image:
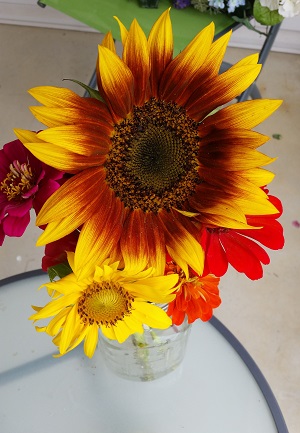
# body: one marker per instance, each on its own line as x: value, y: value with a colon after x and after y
x: 152, y: 159
x: 118, y: 302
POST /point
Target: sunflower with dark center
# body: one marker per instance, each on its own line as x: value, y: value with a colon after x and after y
x: 153, y: 161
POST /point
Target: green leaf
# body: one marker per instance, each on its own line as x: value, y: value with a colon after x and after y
x: 264, y: 16
x: 61, y: 270
x: 246, y: 22
x: 92, y: 92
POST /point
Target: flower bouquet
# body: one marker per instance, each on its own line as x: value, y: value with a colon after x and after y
x: 146, y: 191
x: 266, y: 12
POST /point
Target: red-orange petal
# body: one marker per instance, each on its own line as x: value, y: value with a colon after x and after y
x: 161, y: 44
x: 136, y: 56
x: 182, y: 69
x: 99, y: 235
x: 134, y: 246
x: 181, y: 244
x: 221, y: 90
x: 75, y: 194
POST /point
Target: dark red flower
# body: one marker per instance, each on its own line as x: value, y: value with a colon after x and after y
x: 241, y: 248
x: 25, y: 183
x: 55, y: 252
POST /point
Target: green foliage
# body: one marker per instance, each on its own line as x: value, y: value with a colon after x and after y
x: 246, y: 22
x: 264, y: 16
x: 61, y: 270
x: 92, y: 92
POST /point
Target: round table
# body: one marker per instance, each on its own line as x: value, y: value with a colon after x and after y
x: 217, y: 389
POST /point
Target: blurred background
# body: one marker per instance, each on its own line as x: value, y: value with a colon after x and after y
x: 263, y: 315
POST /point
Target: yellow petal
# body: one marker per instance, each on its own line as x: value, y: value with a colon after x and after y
x: 68, y: 330
x: 92, y: 111
x: 57, y: 322
x: 252, y: 59
x: 247, y: 114
x: 256, y: 206
x: 57, y: 157
x: 108, y: 332
x: 123, y: 30
x: 155, y: 289
x: 54, y: 307
x: 117, y: 83
x: 27, y: 136
x: 214, y: 59
x: 91, y: 340
x: 81, y: 139
x: 152, y: 315
x: 183, y: 245
x: 80, y: 333
x: 259, y: 176
x: 108, y: 42
x: 224, y: 221
x: 58, y: 229
x: 227, y: 209
x: 66, y: 285
x: 122, y: 331
x: 133, y: 324
x: 55, y: 96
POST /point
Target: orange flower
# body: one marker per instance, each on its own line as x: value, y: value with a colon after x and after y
x: 195, y: 297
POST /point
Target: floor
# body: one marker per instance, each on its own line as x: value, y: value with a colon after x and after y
x: 263, y: 315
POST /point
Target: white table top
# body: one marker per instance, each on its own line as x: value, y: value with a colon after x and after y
x: 218, y: 388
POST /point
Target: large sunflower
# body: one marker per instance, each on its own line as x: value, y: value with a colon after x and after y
x: 152, y: 160
x: 114, y: 301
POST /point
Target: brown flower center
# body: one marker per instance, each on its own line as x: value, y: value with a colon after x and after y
x: 104, y: 303
x: 19, y: 180
x: 153, y: 162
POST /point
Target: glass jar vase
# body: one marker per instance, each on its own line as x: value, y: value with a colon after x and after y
x: 147, y: 356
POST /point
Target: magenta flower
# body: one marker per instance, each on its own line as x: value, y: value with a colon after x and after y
x: 25, y: 183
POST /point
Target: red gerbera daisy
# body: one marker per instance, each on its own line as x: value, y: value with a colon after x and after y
x: 228, y: 246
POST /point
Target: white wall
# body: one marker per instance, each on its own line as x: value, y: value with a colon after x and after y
x: 27, y: 12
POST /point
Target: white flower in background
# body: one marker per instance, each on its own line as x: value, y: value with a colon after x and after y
x: 289, y: 8
x: 270, y: 4
x: 218, y: 4
x: 233, y: 4
x: 286, y: 8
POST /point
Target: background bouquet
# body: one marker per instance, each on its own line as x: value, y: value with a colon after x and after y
x: 266, y: 12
